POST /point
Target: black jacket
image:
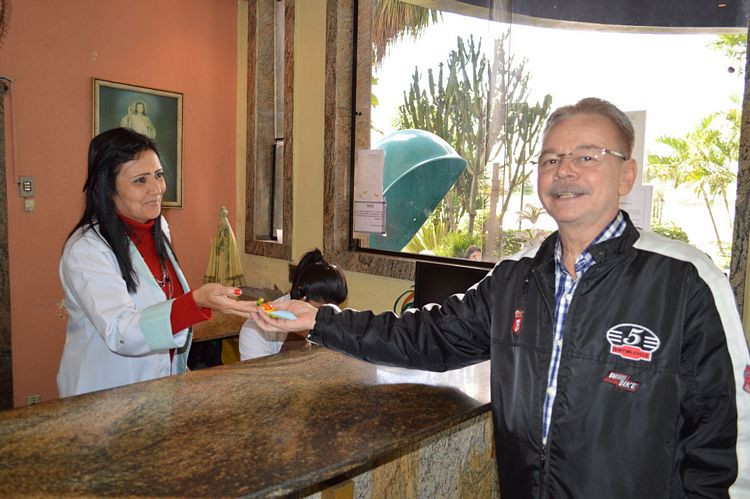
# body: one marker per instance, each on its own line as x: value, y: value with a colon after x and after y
x: 647, y: 400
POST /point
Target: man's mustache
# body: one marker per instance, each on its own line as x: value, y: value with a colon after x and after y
x: 559, y: 188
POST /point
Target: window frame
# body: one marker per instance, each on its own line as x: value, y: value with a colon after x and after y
x: 258, y: 125
x: 347, y: 109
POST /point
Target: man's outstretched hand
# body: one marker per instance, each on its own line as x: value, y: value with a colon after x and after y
x: 304, y: 322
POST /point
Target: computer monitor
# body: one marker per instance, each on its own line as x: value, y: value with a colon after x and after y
x: 434, y: 282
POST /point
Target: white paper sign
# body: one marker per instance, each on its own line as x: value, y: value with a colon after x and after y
x: 638, y: 205
x: 369, y: 216
x: 368, y: 184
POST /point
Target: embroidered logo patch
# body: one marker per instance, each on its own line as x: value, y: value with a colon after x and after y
x: 746, y: 386
x: 622, y: 381
x: 631, y: 341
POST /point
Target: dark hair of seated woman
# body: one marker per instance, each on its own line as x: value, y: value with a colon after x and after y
x: 318, y: 280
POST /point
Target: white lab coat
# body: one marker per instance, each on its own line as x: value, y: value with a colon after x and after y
x: 255, y: 342
x: 113, y: 337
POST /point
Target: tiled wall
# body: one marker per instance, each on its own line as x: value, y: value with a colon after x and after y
x: 459, y: 462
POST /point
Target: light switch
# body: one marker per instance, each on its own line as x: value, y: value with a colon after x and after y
x: 26, y: 186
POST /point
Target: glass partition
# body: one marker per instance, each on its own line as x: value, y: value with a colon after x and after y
x: 456, y: 99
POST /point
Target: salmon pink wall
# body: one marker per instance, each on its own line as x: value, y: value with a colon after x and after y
x: 52, y: 51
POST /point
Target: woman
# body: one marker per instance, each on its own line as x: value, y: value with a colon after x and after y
x: 473, y: 253
x: 129, y: 306
x: 316, y: 281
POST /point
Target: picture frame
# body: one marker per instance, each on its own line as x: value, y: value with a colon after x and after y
x: 152, y: 112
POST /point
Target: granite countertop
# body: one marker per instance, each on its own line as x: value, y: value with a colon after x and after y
x: 269, y: 426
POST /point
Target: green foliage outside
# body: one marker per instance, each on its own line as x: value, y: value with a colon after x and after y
x: 392, y: 20
x: 734, y: 47
x: 514, y: 240
x: 433, y: 237
x: 704, y: 159
x: 671, y: 231
x: 483, y: 112
x: 453, y: 106
x: 481, y: 109
x: 454, y: 244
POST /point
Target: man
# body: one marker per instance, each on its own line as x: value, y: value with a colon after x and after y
x: 617, y: 356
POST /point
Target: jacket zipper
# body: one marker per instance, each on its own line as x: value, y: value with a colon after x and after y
x: 535, y: 276
x: 543, y: 448
x: 543, y: 464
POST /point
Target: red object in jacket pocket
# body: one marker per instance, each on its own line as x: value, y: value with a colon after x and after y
x: 517, y: 321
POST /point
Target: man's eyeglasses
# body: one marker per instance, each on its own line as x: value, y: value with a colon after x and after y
x: 580, y: 157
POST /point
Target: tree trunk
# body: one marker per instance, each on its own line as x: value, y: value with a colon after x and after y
x: 729, y: 213
x: 713, y: 221
x: 450, y: 214
x: 472, y: 203
x: 520, y: 205
x: 504, y: 199
x: 492, y: 226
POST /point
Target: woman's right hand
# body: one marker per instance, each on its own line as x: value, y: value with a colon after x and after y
x: 224, y: 299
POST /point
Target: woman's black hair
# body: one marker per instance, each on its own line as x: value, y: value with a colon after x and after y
x: 316, y: 279
x: 108, y: 151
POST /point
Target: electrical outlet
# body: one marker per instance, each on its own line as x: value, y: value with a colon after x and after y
x: 33, y: 399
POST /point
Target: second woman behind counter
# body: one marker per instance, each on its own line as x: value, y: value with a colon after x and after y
x: 129, y: 305
x: 315, y: 280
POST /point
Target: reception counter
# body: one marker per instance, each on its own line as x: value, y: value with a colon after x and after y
x: 303, y: 423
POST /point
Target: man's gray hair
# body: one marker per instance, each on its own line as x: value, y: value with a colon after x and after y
x: 601, y: 107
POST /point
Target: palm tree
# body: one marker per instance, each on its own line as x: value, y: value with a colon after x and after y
x: 428, y: 237
x: 531, y: 213
x: 392, y: 19
x: 703, y: 159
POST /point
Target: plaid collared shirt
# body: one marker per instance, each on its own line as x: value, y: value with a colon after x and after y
x: 565, y: 287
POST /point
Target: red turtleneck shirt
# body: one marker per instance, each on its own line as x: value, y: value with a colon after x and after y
x: 185, y: 312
